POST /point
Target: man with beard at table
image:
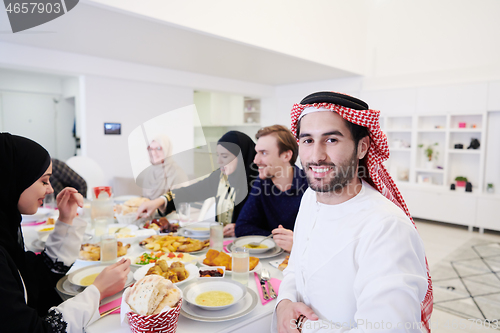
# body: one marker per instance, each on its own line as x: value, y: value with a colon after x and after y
x: 273, y: 202
x: 358, y: 262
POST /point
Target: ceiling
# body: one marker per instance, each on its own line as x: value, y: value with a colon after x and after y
x: 101, y: 32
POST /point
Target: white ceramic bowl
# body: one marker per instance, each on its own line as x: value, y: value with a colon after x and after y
x: 236, y: 289
x: 44, y: 231
x: 250, y: 239
x: 198, y: 228
x: 77, y: 276
x: 126, y: 219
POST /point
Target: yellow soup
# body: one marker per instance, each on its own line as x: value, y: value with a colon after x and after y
x: 260, y: 246
x: 88, y: 280
x: 214, y: 298
x: 47, y: 229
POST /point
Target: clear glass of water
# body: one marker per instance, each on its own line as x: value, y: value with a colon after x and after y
x: 216, y: 236
x: 184, y: 212
x: 49, y: 201
x: 109, y: 248
x: 101, y: 226
x: 241, y: 264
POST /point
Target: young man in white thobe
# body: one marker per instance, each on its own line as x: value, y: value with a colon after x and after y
x: 357, y: 261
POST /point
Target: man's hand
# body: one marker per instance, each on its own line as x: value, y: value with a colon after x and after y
x: 68, y: 200
x: 228, y: 230
x: 283, y: 238
x: 112, y: 279
x: 287, y: 313
x: 149, y: 207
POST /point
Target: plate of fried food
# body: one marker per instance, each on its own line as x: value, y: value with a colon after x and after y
x: 92, y: 252
x: 176, y: 272
x: 216, y: 258
x: 170, y: 243
x: 152, y: 257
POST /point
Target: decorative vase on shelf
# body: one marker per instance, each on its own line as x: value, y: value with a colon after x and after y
x: 429, y: 164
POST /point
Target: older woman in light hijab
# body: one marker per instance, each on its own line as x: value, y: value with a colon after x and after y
x: 164, y: 172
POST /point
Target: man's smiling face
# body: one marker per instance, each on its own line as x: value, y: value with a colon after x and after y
x: 327, y: 151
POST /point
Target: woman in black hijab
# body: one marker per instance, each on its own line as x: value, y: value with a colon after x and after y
x: 230, y: 184
x: 28, y: 301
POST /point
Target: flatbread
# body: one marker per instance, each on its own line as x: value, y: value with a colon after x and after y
x: 147, y: 293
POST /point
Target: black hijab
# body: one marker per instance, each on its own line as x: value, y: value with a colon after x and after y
x: 237, y: 142
x: 22, y: 162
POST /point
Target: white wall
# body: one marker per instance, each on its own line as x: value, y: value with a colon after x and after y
x: 130, y: 103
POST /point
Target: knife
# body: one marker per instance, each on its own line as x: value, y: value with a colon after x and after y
x: 263, y: 286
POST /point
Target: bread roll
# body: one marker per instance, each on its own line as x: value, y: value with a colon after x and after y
x: 171, y: 298
x: 147, y: 293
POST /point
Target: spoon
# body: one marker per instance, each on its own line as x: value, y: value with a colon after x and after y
x: 256, y: 244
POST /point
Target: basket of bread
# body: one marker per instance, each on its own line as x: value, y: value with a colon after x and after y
x: 126, y: 213
x: 152, y: 304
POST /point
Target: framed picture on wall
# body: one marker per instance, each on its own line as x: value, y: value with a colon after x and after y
x: 113, y: 128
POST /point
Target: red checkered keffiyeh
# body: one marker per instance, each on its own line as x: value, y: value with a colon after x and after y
x: 377, y: 173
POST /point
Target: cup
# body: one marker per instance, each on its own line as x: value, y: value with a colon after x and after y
x: 241, y: 264
x: 49, y: 201
x: 109, y: 248
x: 216, y: 236
x: 101, y: 226
x: 184, y: 211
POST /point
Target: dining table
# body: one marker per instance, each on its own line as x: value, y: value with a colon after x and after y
x: 257, y: 320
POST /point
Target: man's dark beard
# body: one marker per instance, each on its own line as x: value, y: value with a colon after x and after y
x: 344, y: 174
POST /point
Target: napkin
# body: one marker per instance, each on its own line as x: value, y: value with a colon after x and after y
x: 225, y: 244
x: 29, y: 224
x: 111, y: 305
x: 274, y: 282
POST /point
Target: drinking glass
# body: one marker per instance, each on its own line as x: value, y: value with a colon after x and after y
x: 101, y: 226
x: 184, y: 211
x: 109, y: 248
x: 241, y: 264
x: 216, y: 236
x: 49, y: 201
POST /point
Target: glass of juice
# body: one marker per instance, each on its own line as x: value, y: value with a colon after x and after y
x: 241, y: 264
x: 216, y: 236
x: 109, y: 248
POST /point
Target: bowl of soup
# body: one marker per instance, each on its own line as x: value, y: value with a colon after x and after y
x: 198, y: 228
x: 245, y: 241
x: 84, y: 277
x: 214, y: 294
x: 44, y: 231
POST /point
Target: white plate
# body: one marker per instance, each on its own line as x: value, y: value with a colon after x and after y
x: 40, y: 215
x: 127, y: 228
x: 199, y: 228
x: 238, y: 310
x: 256, y: 269
x: 192, y: 270
x: 236, y: 289
x: 249, y: 239
x: 194, y: 259
x: 269, y: 254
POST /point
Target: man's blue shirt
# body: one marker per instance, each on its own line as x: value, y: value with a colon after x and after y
x: 267, y: 207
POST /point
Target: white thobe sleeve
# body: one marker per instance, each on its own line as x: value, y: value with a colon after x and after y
x: 390, y: 284
x: 288, y: 289
x: 63, y: 244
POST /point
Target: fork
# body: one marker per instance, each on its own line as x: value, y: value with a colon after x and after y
x: 263, y: 286
x: 266, y: 277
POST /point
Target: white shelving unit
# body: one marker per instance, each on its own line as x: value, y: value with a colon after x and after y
x: 426, y: 188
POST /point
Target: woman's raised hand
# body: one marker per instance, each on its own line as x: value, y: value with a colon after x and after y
x: 68, y: 200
